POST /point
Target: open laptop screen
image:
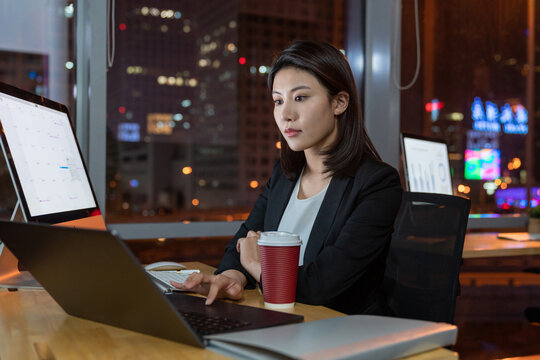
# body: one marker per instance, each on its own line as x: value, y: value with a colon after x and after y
x: 426, y: 165
x: 44, y: 159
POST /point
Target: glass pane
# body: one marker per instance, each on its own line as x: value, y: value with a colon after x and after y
x: 36, y: 54
x: 472, y: 92
x: 191, y: 134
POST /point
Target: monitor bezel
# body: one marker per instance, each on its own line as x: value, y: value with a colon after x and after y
x: 52, y: 218
x: 402, y: 137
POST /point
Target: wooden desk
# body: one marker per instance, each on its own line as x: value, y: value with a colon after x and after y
x: 33, y: 326
x: 479, y: 245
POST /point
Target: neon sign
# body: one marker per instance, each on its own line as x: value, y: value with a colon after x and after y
x: 489, y: 118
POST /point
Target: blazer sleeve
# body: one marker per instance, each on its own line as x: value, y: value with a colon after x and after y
x: 255, y: 222
x: 358, y: 240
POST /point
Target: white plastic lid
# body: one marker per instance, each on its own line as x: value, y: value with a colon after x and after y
x: 279, y: 238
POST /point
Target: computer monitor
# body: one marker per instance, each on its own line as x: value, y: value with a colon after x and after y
x: 45, y: 164
x: 426, y: 165
x: 44, y: 159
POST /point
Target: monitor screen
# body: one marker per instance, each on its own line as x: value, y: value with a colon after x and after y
x: 44, y: 158
x: 426, y: 164
x: 482, y: 164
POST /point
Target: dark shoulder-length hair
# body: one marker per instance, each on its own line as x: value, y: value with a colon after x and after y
x: 332, y: 70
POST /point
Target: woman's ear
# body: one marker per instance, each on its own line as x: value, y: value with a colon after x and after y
x: 340, y: 102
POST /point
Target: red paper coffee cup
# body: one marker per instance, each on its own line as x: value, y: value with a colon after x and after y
x: 279, y: 252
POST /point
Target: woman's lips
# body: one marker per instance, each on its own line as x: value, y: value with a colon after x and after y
x: 291, y: 132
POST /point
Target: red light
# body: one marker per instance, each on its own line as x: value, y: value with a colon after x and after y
x: 122, y: 27
x: 506, y: 206
x: 242, y: 60
x: 122, y: 110
x: 436, y: 105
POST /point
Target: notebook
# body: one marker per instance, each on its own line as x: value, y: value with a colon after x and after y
x: 343, y: 337
x: 93, y: 275
x: 519, y: 236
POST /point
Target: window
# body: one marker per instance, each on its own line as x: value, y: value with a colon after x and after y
x: 186, y: 102
x: 476, y: 91
x: 38, y: 59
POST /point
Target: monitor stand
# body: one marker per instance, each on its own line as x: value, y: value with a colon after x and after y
x: 10, y: 275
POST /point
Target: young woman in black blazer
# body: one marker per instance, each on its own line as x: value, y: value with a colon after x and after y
x: 325, y: 151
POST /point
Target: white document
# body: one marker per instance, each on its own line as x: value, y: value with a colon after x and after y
x: 519, y: 236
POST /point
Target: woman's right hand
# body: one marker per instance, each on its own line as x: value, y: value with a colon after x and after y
x: 229, y: 284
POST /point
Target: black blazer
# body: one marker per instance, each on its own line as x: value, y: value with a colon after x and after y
x: 345, y: 256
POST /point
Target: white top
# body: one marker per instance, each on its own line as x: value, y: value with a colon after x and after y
x: 300, y: 215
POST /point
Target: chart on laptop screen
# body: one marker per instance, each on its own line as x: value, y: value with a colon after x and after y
x: 46, y: 157
x: 426, y: 165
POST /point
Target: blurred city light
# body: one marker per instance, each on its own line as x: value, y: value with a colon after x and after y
x: 69, y: 10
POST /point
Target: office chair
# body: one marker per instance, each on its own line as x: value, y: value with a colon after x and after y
x: 421, y: 279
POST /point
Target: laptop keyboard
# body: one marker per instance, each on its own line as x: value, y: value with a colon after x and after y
x: 206, y: 325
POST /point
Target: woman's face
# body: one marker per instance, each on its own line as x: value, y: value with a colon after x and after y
x: 304, y: 113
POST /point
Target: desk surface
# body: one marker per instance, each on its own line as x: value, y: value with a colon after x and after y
x: 33, y: 326
x: 479, y: 245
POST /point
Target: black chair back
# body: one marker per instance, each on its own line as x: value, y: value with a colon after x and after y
x: 422, y: 270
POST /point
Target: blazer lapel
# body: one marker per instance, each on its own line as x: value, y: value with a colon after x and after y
x: 325, y: 217
x: 277, y: 203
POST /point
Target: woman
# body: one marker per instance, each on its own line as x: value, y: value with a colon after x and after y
x: 330, y: 187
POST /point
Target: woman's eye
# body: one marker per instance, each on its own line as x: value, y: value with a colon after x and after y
x: 278, y: 101
x: 299, y: 98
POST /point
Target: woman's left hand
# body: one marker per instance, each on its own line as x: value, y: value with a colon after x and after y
x: 249, y: 253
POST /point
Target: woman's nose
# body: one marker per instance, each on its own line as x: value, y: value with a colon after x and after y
x: 287, y: 113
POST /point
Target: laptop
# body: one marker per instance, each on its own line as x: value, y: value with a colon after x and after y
x: 426, y: 164
x: 93, y: 275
